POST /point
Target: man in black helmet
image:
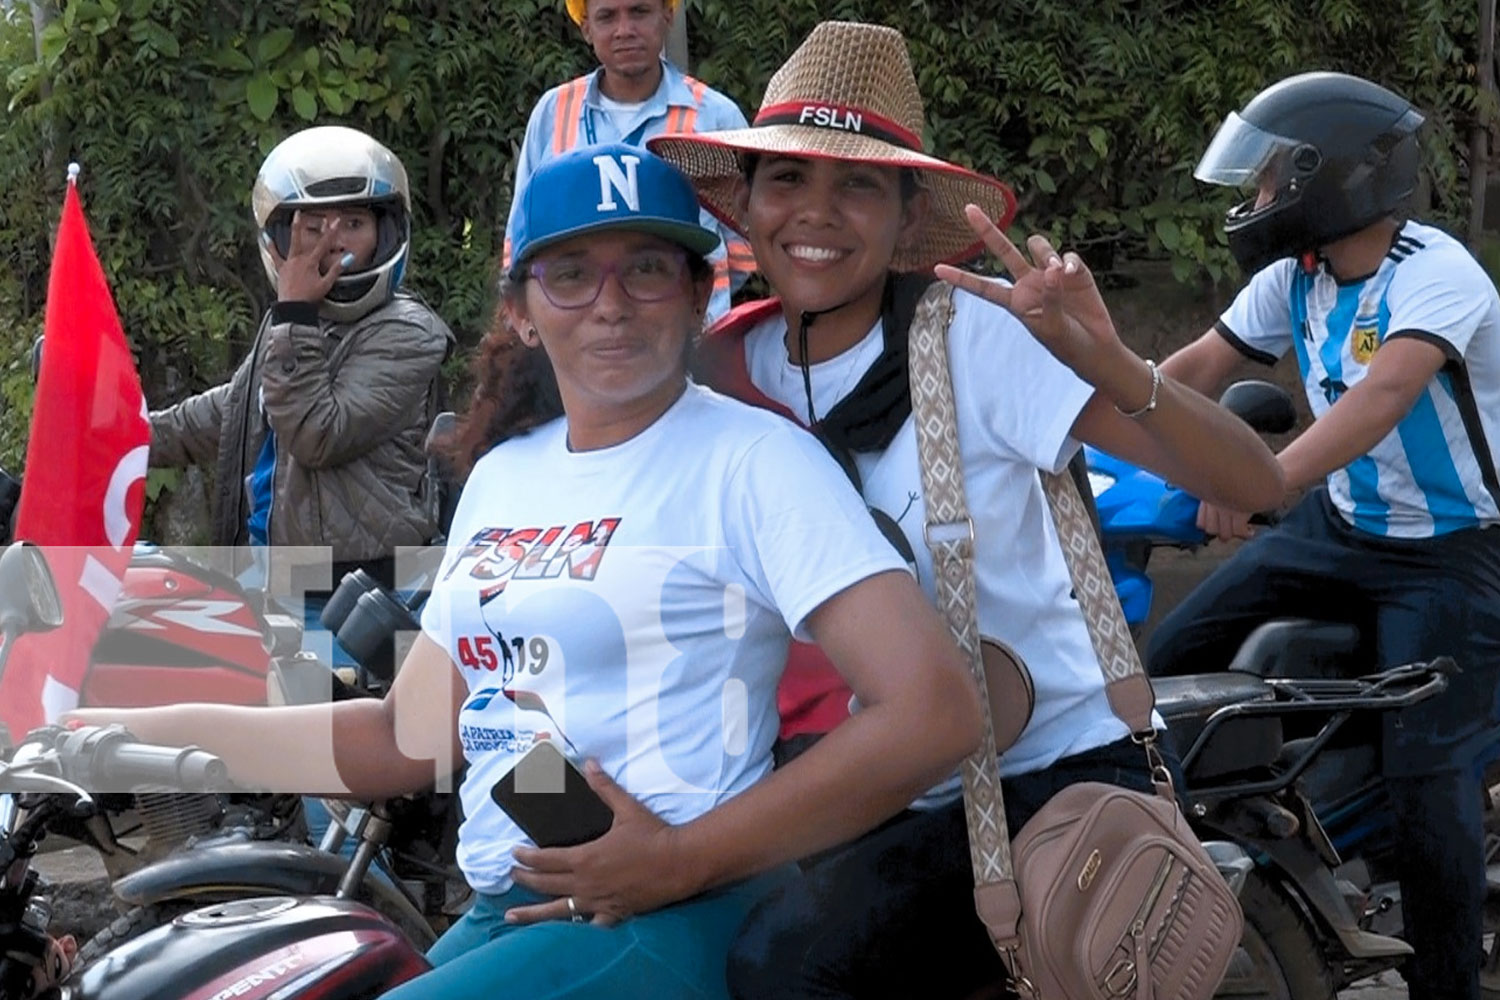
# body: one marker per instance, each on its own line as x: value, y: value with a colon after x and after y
x: 1396, y: 330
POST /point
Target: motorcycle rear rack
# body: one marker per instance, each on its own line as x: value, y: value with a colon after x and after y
x: 1342, y: 698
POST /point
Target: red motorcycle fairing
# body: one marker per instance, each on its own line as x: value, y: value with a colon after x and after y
x: 251, y: 949
x: 178, y: 632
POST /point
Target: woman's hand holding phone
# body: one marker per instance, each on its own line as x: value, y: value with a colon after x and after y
x: 548, y: 797
x: 634, y: 868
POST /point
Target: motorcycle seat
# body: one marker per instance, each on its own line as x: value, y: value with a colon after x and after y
x: 1297, y: 647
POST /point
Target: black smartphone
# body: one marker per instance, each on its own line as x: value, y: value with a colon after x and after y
x: 550, y: 800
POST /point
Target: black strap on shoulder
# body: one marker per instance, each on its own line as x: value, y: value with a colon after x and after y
x: 868, y: 418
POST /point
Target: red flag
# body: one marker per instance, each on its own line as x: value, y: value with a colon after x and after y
x: 84, y: 486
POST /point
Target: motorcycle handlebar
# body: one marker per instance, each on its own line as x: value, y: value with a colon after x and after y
x: 108, y: 758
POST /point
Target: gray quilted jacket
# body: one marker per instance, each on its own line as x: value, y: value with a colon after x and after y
x: 350, y: 404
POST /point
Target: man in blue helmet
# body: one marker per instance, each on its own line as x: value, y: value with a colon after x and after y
x: 318, y: 436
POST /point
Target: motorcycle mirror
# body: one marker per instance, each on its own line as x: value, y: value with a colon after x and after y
x: 29, y: 601
x: 442, y: 479
x: 1266, y: 407
x: 442, y: 428
x: 10, y: 499
x: 36, y: 357
x: 444, y: 425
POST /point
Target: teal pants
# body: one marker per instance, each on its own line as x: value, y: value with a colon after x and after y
x: 679, y: 951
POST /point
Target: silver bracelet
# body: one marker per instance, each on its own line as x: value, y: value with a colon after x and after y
x: 1156, y: 378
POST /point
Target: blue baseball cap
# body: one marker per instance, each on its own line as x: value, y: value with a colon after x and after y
x: 608, y: 186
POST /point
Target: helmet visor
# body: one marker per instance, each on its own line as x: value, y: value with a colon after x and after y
x: 1246, y: 157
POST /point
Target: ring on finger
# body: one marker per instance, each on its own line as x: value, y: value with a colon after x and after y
x: 573, y: 913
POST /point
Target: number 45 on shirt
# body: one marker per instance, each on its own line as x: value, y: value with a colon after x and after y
x: 487, y: 652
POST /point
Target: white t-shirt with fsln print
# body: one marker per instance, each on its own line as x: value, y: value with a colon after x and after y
x: 635, y: 604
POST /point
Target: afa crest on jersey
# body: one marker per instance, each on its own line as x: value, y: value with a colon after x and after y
x: 1365, y: 340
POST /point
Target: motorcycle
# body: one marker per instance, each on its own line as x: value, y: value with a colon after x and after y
x: 1139, y: 512
x: 179, y: 631
x: 1281, y: 752
x: 235, y: 865
x: 283, y: 946
x: 183, y: 631
x: 401, y: 864
x: 1288, y: 768
x: 308, y: 949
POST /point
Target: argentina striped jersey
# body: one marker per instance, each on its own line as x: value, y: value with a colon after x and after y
x: 1435, y: 472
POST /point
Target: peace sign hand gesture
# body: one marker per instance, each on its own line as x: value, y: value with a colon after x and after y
x: 1054, y: 296
x: 301, y: 276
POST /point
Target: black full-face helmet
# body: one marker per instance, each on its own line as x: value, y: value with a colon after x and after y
x: 1324, y: 155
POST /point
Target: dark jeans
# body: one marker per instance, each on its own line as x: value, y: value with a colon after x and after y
x: 1423, y: 598
x: 892, y: 914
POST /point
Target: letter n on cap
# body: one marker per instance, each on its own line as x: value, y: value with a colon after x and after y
x: 613, y: 179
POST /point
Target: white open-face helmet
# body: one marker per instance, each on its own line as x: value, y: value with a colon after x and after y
x: 329, y: 166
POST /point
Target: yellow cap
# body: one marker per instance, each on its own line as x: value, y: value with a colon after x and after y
x: 578, y: 8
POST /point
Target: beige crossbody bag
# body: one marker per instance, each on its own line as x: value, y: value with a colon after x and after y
x: 1106, y: 893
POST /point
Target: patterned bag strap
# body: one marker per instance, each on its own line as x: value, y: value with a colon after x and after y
x: 1125, y: 682
x: 950, y: 536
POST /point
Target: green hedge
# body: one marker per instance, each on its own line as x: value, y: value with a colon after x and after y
x: 1097, y: 112
x: 1094, y: 112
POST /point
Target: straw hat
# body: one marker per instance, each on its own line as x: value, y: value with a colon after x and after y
x: 847, y: 93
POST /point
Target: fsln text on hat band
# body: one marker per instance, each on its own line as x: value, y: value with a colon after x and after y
x: 840, y: 118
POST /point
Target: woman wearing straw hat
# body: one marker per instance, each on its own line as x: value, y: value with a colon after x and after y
x: 848, y: 218
x: 655, y: 545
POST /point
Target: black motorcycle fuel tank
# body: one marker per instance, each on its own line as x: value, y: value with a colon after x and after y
x: 250, y: 949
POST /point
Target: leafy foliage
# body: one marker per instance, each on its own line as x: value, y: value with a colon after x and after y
x: 170, y: 106
x: 1094, y: 112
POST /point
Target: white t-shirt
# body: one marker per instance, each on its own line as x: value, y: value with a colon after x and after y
x: 644, y: 596
x: 624, y: 114
x: 1435, y: 472
x: 1016, y: 404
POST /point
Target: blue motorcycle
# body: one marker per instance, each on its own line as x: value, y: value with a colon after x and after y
x: 1281, y: 753
x: 1139, y: 511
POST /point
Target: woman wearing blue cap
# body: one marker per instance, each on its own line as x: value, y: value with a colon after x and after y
x: 629, y: 560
